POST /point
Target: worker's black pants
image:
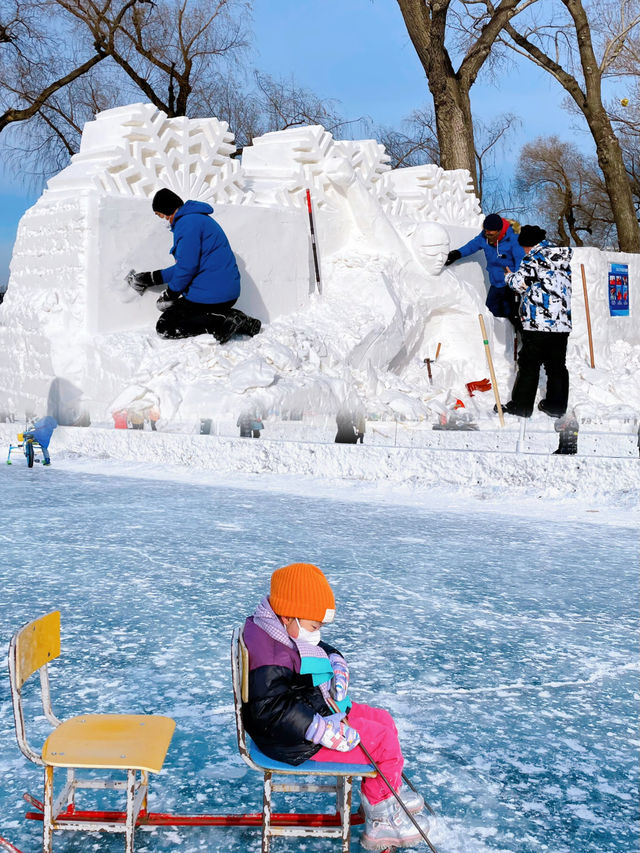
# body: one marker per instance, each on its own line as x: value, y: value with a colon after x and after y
x: 185, y: 319
x: 548, y: 349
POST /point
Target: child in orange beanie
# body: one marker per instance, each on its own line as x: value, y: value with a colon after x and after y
x: 296, y: 682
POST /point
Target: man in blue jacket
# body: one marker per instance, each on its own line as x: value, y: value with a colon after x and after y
x: 501, y: 249
x: 204, y: 283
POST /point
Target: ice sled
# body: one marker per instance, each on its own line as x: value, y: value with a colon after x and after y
x: 137, y: 745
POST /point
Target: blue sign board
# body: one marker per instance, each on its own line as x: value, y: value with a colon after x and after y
x: 619, y: 290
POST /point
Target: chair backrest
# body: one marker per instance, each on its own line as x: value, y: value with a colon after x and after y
x: 31, y: 648
x: 240, y: 681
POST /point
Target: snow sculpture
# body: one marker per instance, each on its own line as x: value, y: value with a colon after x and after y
x: 431, y: 246
x: 279, y: 167
x: 431, y: 193
x: 451, y: 312
x: 387, y: 300
x: 131, y: 151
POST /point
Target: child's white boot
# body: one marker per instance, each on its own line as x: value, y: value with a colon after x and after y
x: 387, y: 825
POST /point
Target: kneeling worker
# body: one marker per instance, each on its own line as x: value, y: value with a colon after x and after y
x: 204, y: 283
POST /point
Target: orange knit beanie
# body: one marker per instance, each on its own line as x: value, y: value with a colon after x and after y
x: 301, y: 590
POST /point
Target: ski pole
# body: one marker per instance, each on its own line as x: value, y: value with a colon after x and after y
x: 371, y: 760
x: 313, y: 243
x: 491, y: 370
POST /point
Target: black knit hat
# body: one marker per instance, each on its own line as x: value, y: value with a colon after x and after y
x: 531, y: 235
x: 492, y: 222
x: 166, y: 201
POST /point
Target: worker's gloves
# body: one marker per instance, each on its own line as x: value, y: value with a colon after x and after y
x: 166, y: 299
x: 140, y: 281
x: 454, y: 255
x: 340, y: 680
x: 333, y: 733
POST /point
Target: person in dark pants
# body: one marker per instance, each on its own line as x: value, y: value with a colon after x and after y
x: 204, y: 283
x: 543, y: 281
x: 501, y: 249
x: 346, y: 433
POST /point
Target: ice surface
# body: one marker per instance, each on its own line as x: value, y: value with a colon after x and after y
x: 505, y: 646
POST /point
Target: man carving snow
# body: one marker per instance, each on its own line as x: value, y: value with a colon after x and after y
x: 204, y: 283
x: 501, y: 250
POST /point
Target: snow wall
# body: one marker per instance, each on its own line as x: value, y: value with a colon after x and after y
x: 76, y: 341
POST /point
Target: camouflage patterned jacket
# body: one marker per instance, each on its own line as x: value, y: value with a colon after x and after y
x: 543, y: 281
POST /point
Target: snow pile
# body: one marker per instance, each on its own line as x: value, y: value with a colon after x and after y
x: 73, y: 337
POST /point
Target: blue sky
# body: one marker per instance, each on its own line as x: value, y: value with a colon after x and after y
x: 358, y: 52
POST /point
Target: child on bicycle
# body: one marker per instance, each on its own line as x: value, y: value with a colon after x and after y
x: 41, y: 432
x: 298, y: 702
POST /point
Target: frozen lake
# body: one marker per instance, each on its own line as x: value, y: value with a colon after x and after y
x: 506, y: 648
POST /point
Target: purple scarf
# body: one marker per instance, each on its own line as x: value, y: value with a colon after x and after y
x: 265, y: 618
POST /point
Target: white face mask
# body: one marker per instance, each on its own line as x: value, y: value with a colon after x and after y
x: 312, y: 637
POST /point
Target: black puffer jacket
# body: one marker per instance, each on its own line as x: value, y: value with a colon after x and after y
x: 282, y: 702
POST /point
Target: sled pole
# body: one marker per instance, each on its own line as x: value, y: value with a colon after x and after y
x: 437, y: 351
x: 371, y: 760
x: 586, y: 308
x: 313, y: 243
x: 406, y: 779
x: 398, y: 798
x: 487, y: 351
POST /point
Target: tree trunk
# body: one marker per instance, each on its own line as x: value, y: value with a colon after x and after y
x: 589, y: 101
x: 454, y: 125
x: 616, y: 180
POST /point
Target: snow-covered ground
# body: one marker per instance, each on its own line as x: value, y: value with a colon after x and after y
x: 502, y: 634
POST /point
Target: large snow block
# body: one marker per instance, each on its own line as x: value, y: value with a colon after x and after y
x: 126, y: 235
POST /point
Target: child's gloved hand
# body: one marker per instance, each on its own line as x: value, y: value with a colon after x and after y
x: 340, y: 680
x: 318, y: 726
x: 333, y: 733
x: 341, y: 738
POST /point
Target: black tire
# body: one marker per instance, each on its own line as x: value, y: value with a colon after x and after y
x: 29, y: 454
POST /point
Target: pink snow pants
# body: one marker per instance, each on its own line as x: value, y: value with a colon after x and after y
x: 379, y: 735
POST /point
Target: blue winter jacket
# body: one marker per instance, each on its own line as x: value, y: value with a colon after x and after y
x: 205, y: 269
x: 506, y: 253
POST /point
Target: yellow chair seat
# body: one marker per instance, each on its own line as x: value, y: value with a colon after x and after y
x: 110, y: 741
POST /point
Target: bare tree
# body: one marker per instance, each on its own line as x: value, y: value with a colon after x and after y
x: 184, y: 56
x: 168, y: 48
x: 31, y: 47
x: 490, y: 138
x: 580, y: 50
x: 429, y: 27
x: 567, y: 191
x: 414, y: 143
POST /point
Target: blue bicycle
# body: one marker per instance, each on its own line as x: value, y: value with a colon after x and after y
x: 35, y: 439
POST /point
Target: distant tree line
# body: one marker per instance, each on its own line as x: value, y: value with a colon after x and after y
x: 61, y: 61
